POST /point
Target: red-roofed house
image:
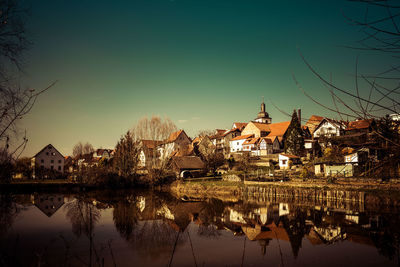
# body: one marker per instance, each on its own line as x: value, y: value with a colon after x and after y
x: 239, y: 125
x: 251, y: 144
x: 236, y: 144
x: 313, y: 122
x: 359, y: 126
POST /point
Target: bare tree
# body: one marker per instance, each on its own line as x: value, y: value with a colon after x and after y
x: 15, y: 101
x: 374, y: 96
x: 77, y: 150
x: 80, y: 149
x: 87, y: 148
x: 153, y: 133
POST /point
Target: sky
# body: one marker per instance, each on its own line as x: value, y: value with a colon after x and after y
x: 203, y: 63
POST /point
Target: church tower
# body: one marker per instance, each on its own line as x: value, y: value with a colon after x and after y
x: 263, y: 116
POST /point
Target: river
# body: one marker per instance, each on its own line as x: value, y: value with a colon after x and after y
x: 143, y: 228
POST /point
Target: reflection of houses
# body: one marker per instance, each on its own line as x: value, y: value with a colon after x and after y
x: 48, y: 204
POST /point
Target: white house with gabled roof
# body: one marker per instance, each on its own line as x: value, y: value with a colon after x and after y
x: 48, y: 158
x: 236, y: 144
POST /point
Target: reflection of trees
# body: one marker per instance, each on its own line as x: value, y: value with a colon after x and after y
x: 83, y: 216
x: 387, y: 239
x: 8, y: 212
x: 125, y: 216
x: 296, y: 229
x: 154, y: 238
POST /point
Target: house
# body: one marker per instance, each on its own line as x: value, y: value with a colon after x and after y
x: 102, y: 153
x: 265, y: 146
x: 148, y: 149
x: 333, y: 169
x: 187, y: 166
x: 203, y: 145
x: 284, y: 160
x: 274, y: 131
x: 359, y: 126
x: 276, y: 143
x: 357, y: 157
x: 257, y: 129
x: 329, y: 128
x: 218, y: 140
x: 239, y: 125
x: 251, y: 144
x: 313, y: 123
x: 47, y: 159
x: 236, y: 144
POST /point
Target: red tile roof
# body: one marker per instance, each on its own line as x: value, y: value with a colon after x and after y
x: 220, y: 131
x: 313, y: 122
x: 279, y: 128
x: 268, y: 139
x: 242, y: 137
x: 151, y: 144
x: 360, y: 124
x: 240, y: 125
x: 251, y: 141
x: 230, y: 131
x: 262, y: 126
x: 173, y: 136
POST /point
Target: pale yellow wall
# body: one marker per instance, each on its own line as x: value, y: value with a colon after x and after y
x: 251, y: 129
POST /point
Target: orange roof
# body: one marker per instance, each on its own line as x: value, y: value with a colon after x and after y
x: 262, y: 126
x: 173, y: 136
x: 251, y: 141
x: 150, y: 144
x: 290, y: 156
x: 242, y: 137
x: 240, y: 125
x: 220, y: 131
x: 360, y: 124
x: 230, y: 131
x: 313, y: 122
x: 267, y: 139
x: 279, y: 128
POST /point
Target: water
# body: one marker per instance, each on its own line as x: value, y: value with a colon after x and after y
x: 140, y: 228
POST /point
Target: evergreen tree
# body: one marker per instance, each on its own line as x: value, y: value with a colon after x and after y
x: 126, y: 155
x: 294, y: 139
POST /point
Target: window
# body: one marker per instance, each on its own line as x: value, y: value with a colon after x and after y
x: 52, y: 161
x: 52, y: 167
x: 59, y: 168
x: 284, y: 162
x: 237, y: 143
x: 53, y: 153
x: 47, y: 153
x: 42, y: 161
x: 59, y: 161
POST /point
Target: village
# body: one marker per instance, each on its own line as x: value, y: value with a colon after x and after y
x: 259, y: 150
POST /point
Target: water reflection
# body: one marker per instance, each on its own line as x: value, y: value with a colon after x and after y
x: 158, y: 229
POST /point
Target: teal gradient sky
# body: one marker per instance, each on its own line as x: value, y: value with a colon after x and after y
x: 204, y: 64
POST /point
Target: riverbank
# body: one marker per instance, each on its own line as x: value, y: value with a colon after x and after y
x: 371, y: 192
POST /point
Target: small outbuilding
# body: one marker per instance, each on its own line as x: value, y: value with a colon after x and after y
x: 188, y: 166
x: 284, y: 160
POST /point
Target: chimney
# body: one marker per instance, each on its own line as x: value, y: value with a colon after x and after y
x: 299, y: 115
